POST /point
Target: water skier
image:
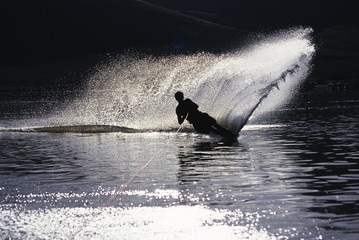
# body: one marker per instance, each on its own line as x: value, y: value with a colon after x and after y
x: 201, y: 121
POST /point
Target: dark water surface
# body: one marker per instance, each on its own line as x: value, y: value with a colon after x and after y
x: 293, y: 174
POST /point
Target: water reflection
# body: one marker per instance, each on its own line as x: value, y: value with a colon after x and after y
x: 59, y: 158
x: 299, y: 177
x: 325, y: 142
x: 308, y: 167
x: 205, y: 160
x: 211, y: 173
x: 37, y: 154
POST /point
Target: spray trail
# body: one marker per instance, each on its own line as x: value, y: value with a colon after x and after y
x: 137, y: 91
x: 275, y: 84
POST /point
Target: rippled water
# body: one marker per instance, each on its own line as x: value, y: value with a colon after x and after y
x: 293, y: 174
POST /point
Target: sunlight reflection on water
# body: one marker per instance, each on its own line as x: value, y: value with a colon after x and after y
x: 178, y: 222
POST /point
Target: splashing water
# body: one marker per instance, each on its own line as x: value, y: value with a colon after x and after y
x: 137, y: 91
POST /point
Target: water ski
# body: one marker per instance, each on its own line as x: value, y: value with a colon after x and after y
x: 229, y: 139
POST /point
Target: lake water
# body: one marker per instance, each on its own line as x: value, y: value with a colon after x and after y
x: 293, y: 174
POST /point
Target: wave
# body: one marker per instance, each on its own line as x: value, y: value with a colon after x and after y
x: 87, y: 129
x: 77, y: 129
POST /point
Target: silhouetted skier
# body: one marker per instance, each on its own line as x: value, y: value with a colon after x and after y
x: 201, y: 121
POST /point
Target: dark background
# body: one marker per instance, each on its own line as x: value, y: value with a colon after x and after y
x: 54, y: 43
